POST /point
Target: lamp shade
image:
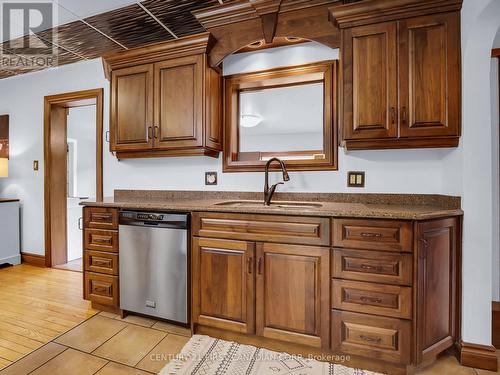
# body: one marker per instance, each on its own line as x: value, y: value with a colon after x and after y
x: 4, y: 167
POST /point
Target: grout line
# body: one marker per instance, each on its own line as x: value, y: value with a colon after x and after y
x: 89, y: 25
x: 44, y: 363
x: 157, y: 20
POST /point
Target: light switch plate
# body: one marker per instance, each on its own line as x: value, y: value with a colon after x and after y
x: 35, y: 165
x: 210, y: 178
x: 356, y: 179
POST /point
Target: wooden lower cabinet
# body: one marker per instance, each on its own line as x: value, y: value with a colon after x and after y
x: 278, y: 291
x: 223, y: 288
x: 292, y: 299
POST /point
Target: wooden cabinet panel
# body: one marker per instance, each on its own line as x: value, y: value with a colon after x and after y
x: 223, y: 284
x: 370, y: 298
x: 101, y: 262
x: 430, y: 75
x: 436, y: 286
x: 373, y: 266
x: 179, y: 103
x: 292, y: 302
x: 386, y: 339
x: 214, y: 103
x: 132, y: 108
x: 370, y: 81
x: 100, y: 218
x: 269, y: 228
x: 386, y: 235
x: 101, y: 289
x: 100, y: 240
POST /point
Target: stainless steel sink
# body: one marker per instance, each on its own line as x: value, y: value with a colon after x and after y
x: 286, y: 205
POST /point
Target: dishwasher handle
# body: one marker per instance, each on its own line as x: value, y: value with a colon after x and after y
x: 154, y: 219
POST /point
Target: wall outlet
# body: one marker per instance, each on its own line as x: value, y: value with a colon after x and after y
x: 210, y: 178
x: 355, y: 179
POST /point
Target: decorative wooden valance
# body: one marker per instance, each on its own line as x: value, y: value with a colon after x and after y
x: 242, y: 22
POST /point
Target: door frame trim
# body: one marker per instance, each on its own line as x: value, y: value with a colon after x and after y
x: 70, y: 100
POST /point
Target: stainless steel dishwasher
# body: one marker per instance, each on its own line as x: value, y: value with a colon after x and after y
x: 153, y: 264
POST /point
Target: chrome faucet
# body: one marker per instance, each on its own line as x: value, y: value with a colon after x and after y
x: 268, y: 192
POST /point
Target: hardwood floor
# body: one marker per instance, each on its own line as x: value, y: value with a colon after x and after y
x: 38, y: 305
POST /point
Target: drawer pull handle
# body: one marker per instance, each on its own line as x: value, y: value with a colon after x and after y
x: 101, y: 263
x: 371, y: 235
x: 372, y: 268
x: 97, y: 217
x: 374, y: 340
x: 102, y: 240
x: 101, y: 289
x: 371, y: 299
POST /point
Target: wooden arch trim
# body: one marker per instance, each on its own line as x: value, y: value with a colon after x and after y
x: 244, y: 22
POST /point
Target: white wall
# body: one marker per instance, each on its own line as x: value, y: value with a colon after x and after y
x: 495, y: 120
x: 467, y: 170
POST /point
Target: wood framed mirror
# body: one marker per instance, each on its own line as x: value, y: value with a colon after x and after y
x: 287, y: 112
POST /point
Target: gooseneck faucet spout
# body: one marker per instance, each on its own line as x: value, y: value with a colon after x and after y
x: 269, y: 191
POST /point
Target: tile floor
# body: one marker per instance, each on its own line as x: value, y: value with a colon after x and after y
x: 105, y: 345
x: 108, y: 345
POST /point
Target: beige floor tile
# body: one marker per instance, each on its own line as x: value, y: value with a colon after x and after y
x: 109, y: 315
x: 446, y: 365
x: 163, y: 353
x: 130, y: 345
x: 170, y: 328
x: 139, y: 320
x: 91, y: 334
x: 34, y: 360
x: 71, y: 362
x: 117, y: 369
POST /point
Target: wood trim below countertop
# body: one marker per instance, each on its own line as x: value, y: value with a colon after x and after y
x: 33, y: 259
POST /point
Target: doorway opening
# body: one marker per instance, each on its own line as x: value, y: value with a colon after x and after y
x: 73, y: 135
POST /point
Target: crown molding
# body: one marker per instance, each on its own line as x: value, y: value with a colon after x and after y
x: 374, y: 11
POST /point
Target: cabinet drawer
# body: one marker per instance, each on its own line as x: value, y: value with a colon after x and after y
x: 385, y: 235
x: 101, y: 262
x: 373, y: 266
x: 100, y: 217
x: 102, y: 289
x: 378, y: 299
x: 101, y: 240
x: 386, y: 339
x: 268, y: 228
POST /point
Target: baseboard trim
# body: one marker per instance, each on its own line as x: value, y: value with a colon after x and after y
x: 478, y: 356
x: 496, y: 324
x: 33, y: 259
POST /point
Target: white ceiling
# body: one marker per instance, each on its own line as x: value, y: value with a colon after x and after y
x: 72, y: 10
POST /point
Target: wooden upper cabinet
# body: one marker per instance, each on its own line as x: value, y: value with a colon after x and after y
x: 292, y: 295
x: 370, y: 63
x: 131, y: 108
x: 179, y: 103
x: 430, y: 75
x: 401, y: 74
x: 165, y: 100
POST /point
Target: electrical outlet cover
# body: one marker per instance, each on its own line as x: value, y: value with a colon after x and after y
x: 210, y: 178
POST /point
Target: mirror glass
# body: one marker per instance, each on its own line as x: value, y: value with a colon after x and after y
x: 282, y: 119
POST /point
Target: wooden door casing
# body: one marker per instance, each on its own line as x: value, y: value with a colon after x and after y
x: 429, y: 71
x: 370, y: 82
x: 436, y: 283
x: 223, y: 284
x: 179, y: 103
x: 292, y: 293
x: 132, y: 108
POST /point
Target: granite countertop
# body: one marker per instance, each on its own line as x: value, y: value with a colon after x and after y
x: 389, y: 206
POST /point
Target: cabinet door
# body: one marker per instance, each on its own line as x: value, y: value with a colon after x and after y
x: 223, y: 284
x: 132, y: 108
x: 179, y: 103
x: 370, y: 82
x: 292, y: 301
x: 437, y: 286
x: 430, y: 75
